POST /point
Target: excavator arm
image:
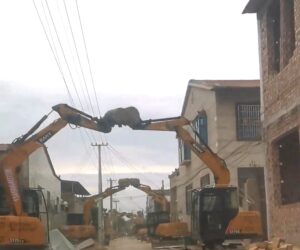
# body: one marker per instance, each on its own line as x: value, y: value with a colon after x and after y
x: 131, y: 117
x: 91, y: 201
x: 159, y: 198
x: 23, y: 146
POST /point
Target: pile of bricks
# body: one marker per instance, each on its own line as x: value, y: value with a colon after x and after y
x: 274, y: 244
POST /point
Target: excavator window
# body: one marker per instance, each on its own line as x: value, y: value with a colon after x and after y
x: 4, y: 209
x: 30, y: 200
x: 213, y: 208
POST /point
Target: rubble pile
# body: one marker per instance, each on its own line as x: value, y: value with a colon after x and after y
x: 274, y: 244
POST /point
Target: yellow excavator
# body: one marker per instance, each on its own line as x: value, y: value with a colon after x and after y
x: 215, y: 210
x: 88, y: 230
x: 21, y: 226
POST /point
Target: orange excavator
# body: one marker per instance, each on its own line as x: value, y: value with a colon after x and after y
x: 215, y: 210
x: 20, y: 225
x: 159, y: 227
x: 88, y: 230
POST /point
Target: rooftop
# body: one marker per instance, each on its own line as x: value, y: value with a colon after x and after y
x: 74, y: 187
x: 214, y: 85
x: 217, y: 84
x: 253, y: 6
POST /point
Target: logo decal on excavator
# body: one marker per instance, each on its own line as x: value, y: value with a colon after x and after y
x: 12, y: 184
x: 45, y: 137
x: 16, y: 241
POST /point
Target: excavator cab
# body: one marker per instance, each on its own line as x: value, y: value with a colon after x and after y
x: 153, y: 219
x: 30, y: 202
x: 212, y: 210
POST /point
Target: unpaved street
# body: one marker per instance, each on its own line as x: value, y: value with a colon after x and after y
x: 128, y: 243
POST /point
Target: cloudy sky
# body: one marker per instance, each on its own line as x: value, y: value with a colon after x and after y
x: 141, y: 53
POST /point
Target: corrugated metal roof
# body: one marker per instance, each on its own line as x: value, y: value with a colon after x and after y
x: 74, y: 187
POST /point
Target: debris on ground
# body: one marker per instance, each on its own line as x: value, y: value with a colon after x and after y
x: 275, y: 244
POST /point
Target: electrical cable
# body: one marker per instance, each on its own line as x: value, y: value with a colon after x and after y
x: 78, y: 58
x: 64, y: 56
x: 87, y: 57
x: 54, y: 54
x: 124, y: 161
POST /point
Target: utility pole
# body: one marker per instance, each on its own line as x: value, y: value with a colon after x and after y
x: 100, y: 204
x: 116, y: 203
x: 110, y: 180
x: 117, y: 217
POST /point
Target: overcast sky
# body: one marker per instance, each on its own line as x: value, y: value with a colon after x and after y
x: 142, y: 53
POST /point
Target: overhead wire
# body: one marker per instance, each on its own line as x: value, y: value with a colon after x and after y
x: 56, y: 57
x: 89, y: 67
x: 78, y: 58
x: 126, y: 163
x: 89, y: 134
x: 87, y: 57
x: 73, y: 57
x: 64, y: 55
x: 54, y: 54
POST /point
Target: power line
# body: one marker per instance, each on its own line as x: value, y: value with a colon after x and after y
x: 63, y: 53
x: 87, y: 57
x: 78, y: 58
x: 53, y: 52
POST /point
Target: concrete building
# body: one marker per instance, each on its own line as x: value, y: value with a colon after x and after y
x: 38, y: 172
x: 73, y: 195
x: 279, y: 48
x: 227, y: 116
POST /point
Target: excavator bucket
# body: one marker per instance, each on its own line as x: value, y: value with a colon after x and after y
x: 125, y: 182
x: 122, y: 117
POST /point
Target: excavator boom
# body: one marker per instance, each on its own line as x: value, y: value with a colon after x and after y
x: 18, y: 152
x: 179, y: 125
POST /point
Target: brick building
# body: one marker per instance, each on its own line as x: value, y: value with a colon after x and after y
x: 279, y: 48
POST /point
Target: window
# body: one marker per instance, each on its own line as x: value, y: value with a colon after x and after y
x: 200, y: 124
x: 204, y: 180
x: 248, y: 122
x: 184, y: 152
x: 246, y: 174
x: 289, y: 167
x: 188, y: 198
x: 281, y: 33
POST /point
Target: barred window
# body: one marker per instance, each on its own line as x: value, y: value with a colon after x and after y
x: 248, y: 122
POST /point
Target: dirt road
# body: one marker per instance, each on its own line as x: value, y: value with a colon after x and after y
x: 128, y: 243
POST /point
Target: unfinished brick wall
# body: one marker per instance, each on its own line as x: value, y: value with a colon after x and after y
x: 281, y: 96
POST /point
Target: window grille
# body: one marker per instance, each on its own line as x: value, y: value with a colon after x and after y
x: 248, y: 122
